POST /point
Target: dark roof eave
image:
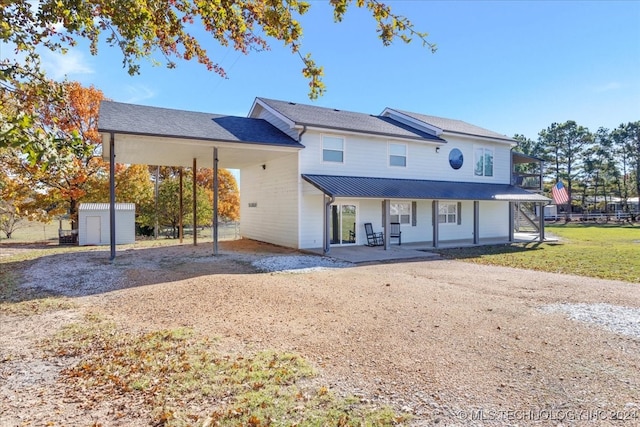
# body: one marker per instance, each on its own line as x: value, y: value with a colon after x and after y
x: 231, y: 141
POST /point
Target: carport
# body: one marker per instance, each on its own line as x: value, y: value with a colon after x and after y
x: 135, y: 134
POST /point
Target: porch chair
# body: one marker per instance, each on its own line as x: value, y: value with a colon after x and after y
x: 373, y: 239
x: 395, y: 233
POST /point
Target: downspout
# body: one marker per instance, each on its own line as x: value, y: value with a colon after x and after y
x: 327, y: 213
x: 304, y: 130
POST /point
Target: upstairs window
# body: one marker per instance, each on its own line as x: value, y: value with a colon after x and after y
x: 332, y: 149
x: 398, y: 155
x: 483, y: 161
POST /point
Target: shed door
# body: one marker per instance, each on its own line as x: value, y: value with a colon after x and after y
x: 93, y: 230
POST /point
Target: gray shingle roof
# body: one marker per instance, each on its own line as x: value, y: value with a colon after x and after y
x: 455, y: 126
x: 142, y: 120
x: 329, y: 118
x: 392, y: 188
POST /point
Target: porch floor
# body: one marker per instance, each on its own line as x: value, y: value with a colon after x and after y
x: 359, y: 254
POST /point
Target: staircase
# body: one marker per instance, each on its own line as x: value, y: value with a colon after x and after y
x: 525, y: 218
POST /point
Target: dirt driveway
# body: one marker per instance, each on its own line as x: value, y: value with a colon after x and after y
x: 444, y: 340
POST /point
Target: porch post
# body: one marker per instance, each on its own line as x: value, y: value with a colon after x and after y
x: 434, y: 214
x: 112, y: 195
x: 476, y: 222
x: 387, y: 224
x: 512, y: 206
x: 180, y: 234
x: 195, y: 204
x: 215, y: 200
x: 541, y: 222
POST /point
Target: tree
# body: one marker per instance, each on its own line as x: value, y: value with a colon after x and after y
x: 563, y: 145
x: 228, y: 194
x: 142, y: 30
x: 63, y: 180
x: 13, y: 204
x: 627, y: 141
x: 169, y: 207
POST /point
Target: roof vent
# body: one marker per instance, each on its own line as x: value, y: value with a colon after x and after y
x: 292, y: 103
x: 335, y: 109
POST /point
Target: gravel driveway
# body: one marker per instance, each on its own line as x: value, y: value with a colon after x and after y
x: 453, y: 343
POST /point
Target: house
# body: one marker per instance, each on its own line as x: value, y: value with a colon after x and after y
x: 313, y: 176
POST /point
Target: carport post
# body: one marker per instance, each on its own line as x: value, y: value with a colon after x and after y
x: 512, y: 208
x: 195, y: 206
x: 215, y: 200
x: 112, y: 195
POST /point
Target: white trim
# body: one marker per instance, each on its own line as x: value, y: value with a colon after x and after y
x: 273, y: 111
x: 340, y: 131
x: 447, y: 204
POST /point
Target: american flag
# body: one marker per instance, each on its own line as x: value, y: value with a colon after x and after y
x: 560, y: 194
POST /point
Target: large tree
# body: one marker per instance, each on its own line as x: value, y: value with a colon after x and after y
x: 564, y: 145
x: 162, y: 31
x: 62, y: 180
x: 626, y: 139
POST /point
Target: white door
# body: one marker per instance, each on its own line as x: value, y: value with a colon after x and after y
x: 93, y: 230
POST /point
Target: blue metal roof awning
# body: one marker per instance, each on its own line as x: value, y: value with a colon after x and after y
x: 394, y: 188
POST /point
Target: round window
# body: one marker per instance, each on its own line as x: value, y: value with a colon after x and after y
x: 455, y: 158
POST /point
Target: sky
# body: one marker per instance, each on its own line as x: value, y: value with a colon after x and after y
x: 514, y: 67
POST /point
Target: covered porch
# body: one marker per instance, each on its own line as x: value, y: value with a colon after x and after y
x: 503, y: 197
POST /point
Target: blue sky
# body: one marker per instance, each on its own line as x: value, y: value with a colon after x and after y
x: 509, y: 66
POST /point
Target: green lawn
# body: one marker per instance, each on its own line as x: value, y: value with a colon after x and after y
x: 604, y: 251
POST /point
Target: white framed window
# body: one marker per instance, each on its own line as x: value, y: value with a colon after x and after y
x: 397, y: 155
x: 400, y: 212
x: 448, y: 213
x: 483, y: 161
x: 333, y: 149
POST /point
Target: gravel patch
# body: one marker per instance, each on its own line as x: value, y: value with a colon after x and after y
x: 298, y: 264
x: 619, y: 319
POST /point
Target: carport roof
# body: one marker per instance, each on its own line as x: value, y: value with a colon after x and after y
x: 134, y: 119
x: 392, y: 188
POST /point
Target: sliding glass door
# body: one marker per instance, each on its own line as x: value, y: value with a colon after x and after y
x: 342, y: 227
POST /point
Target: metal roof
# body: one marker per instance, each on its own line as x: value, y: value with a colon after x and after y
x: 330, y: 118
x: 134, y: 119
x: 393, y: 188
x: 105, y: 207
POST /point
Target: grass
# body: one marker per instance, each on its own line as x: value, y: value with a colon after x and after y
x: 602, y: 251
x: 181, y: 380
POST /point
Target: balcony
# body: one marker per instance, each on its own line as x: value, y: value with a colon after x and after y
x: 526, y: 171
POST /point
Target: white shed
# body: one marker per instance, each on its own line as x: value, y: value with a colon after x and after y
x: 94, y: 227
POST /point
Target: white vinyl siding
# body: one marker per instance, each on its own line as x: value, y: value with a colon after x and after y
x: 332, y: 149
x: 275, y: 192
x: 398, y: 155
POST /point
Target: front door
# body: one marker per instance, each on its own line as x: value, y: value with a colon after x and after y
x: 342, y: 227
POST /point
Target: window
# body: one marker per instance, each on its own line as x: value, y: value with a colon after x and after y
x: 332, y: 149
x: 483, y: 161
x: 398, y: 155
x: 448, y: 213
x: 400, y: 212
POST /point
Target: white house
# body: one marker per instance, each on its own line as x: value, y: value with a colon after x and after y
x: 94, y: 225
x: 313, y: 176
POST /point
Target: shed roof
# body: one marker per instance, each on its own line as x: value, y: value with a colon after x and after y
x: 105, y: 207
x: 392, y: 188
x: 330, y: 118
